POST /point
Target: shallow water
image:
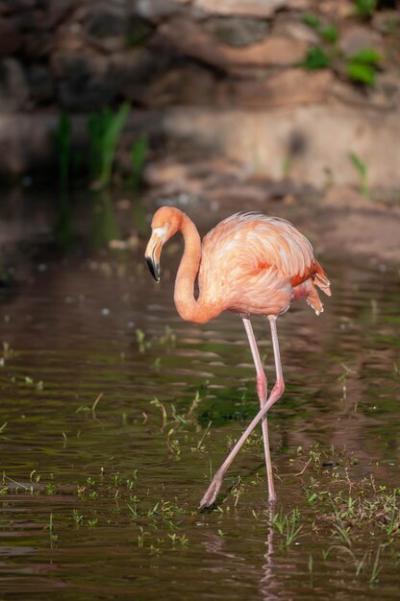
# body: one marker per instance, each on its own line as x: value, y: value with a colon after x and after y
x: 114, y: 413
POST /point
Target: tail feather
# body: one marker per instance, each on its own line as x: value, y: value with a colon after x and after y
x: 320, y: 279
x: 308, y: 291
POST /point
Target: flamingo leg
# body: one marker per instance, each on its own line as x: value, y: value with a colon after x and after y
x: 262, y: 397
x: 276, y: 393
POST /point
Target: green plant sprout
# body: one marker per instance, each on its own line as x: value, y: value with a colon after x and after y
x: 362, y: 66
x: 362, y: 170
x: 328, y: 32
x: 62, y: 139
x: 104, y: 130
x: 316, y: 58
x: 365, y: 8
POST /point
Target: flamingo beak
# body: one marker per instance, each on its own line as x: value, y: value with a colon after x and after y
x: 152, y: 256
x: 154, y: 268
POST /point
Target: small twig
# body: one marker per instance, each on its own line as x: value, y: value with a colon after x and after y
x: 304, y: 468
x: 95, y: 403
x: 17, y: 483
x: 204, y: 435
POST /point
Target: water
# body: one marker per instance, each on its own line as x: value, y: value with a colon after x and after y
x: 114, y: 413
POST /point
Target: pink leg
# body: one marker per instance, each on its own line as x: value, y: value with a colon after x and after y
x: 262, y: 397
x: 277, y: 391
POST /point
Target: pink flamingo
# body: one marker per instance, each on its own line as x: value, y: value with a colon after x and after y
x: 250, y: 264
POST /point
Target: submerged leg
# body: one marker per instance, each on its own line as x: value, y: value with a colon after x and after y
x: 277, y: 391
x: 262, y: 397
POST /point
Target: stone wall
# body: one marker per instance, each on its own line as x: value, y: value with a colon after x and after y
x: 215, y: 65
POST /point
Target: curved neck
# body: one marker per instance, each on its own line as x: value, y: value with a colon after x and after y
x: 188, y: 307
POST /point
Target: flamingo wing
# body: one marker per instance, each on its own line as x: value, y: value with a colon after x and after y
x: 251, y: 257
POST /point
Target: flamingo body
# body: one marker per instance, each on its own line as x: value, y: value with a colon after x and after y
x: 249, y: 264
x: 254, y: 264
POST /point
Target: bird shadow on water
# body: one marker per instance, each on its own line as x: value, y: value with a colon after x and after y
x: 263, y: 573
x: 268, y: 579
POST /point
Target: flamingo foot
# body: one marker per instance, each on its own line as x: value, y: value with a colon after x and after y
x: 211, y: 493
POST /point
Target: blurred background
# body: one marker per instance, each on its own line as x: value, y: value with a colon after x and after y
x: 114, y: 413
x: 225, y: 105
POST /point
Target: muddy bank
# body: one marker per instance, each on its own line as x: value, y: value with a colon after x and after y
x: 349, y: 225
x: 341, y: 223
x: 340, y: 220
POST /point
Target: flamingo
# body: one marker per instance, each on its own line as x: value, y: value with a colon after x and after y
x: 251, y: 264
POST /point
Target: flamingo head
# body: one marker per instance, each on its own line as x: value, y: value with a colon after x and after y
x: 165, y: 223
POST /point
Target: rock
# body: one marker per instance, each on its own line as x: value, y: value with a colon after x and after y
x: 274, y: 51
x: 105, y: 21
x: 168, y: 175
x: 138, y: 33
x: 386, y: 92
x: 16, y: 6
x: 358, y: 226
x: 41, y: 84
x: 288, y: 87
x: 237, y: 32
x: 191, y: 39
x: 10, y: 38
x: 336, y: 9
x: 70, y: 37
x: 296, y: 30
x: 30, y: 20
x: 248, y: 8
x: 82, y: 80
x: 358, y: 37
x: 156, y: 10
x: 105, y: 24
x: 14, y: 91
x: 386, y: 21
x: 37, y: 46
x: 181, y: 85
x: 294, y: 142
x: 389, y: 82
x: 58, y: 10
x: 132, y: 72
x: 349, y: 95
x: 193, y: 85
x: 237, y: 193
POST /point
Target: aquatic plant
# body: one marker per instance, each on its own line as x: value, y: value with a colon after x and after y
x: 138, y: 157
x: 62, y: 140
x: 104, y: 223
x: 287, y: 525
x: 143, y: 343
x: 53, y: 537
x: 362, y: 170
x: 376, y: 568
x: 104, y: 129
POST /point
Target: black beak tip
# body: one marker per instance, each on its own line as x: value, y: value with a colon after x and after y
x: 153, y: 268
